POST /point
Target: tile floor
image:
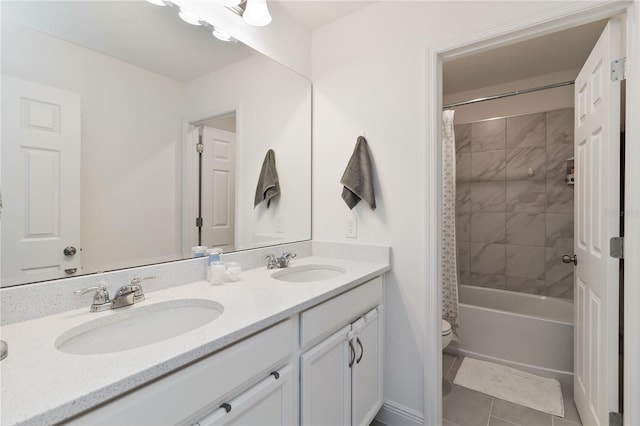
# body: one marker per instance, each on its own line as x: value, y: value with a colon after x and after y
x: 465, y: 407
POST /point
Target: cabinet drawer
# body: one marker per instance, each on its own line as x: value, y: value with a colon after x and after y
x: 198, y: 387
x: 320, y: 321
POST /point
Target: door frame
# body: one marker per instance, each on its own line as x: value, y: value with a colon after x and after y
x: 564, y: 17
x: 190, y: 171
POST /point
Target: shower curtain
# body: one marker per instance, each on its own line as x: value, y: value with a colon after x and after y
x: 449, y: 251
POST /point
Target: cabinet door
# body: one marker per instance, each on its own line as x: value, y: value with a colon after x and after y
x: 367, y: 371
x: 326, y: 381
x: 269, y: 403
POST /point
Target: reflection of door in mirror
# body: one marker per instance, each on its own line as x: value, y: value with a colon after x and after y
x: 41, y: 157
x: 218, y: 187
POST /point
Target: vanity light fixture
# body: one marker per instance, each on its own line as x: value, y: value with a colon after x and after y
x: 221, y: 35
x: 188, y: 17
x: 157, y: 2
x: 256, y: 13
x: 229, y: 3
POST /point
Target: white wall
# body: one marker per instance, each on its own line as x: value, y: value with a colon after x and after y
x: 273, y: 112
x: 125, y: 109
x: 369, y: 74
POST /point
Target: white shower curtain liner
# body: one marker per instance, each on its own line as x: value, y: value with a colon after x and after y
x: 449, y: 251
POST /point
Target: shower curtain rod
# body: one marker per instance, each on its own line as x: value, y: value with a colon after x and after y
x: 509, y: 94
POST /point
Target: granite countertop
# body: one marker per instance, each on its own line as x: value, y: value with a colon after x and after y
x: 42, y: 385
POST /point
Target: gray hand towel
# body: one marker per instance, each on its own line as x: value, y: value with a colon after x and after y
x: 268, y: 184
x: 357, y: 180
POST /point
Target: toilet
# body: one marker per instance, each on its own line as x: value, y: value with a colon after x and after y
x: 447, y: 334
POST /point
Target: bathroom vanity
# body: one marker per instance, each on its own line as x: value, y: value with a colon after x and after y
x: 268, y: 358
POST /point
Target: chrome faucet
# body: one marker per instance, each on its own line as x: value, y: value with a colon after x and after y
x: 279, y: 262
x: 125, y: 296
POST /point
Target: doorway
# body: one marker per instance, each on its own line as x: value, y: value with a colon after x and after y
x: 453, y: 51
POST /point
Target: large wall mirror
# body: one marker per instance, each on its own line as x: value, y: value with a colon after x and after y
x: 122, y: 125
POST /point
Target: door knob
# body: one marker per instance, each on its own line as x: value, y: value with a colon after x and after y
x: 570, y: 259
x: 69, y: 251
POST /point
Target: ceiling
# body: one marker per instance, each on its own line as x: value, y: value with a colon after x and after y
x: 560, y: 51
x: 316, y: 13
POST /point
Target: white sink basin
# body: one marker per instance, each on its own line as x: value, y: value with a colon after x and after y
x: 138, y: 326
x: 308, y: 273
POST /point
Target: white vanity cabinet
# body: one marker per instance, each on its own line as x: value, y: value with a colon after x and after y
x: 250, y: 380
x: 341, y: 363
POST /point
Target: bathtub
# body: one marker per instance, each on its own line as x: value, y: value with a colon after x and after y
x: 528, y: 332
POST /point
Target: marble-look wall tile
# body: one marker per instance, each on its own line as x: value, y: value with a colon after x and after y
x: 463, y: 226
x: 526, y: 196
x: 520, y: 160
x: 488, y: 259
x: 525, y: 262
x: 464, y: 263
x: 560, y: 126
x: 526, y: 130
x: 488, y: 196
x: 463, y: 197
x: 555, y: 269
x: 489, y: 281
x: 488, y: 227
x: 559, y: 230
x: 488, y: 165
x: 525, y: 285
x: 559, y: 197
x: 562, y: 289
x: 463, y: 168
x: 488, y: 135
x: 556, y: 160
x: 462, y: 134
x: 526, y: 229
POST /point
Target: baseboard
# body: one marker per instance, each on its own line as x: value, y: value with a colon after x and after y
x: 394, y: 414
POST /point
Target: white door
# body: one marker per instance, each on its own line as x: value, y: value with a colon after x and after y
x: 366, y: 385
x: 218, y: 188
x: 325, y: 382
x: 41, y: 182
x: 597, y: 188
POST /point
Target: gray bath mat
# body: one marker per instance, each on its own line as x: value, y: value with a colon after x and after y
x: 512, y: 385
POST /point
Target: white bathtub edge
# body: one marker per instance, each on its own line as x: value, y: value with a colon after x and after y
x: 564, y: 377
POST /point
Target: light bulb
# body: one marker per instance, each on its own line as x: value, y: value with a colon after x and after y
x: 188, y: 17
x: 257, y: 13
x: 221, y: 35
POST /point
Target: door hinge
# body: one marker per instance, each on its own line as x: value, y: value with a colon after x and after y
x: 199, y: 222
x: 615, y: 419
x: 616, y: 247
x: 619, y: 69
x: 199, y: 147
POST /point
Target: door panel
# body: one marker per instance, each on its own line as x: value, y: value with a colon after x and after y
x: 597, y: 186
x: 41, y: 127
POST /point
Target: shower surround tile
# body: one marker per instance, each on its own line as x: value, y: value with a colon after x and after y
x: 462, y: 133
x: 560, y: 126
x: 556, y: 160
x: 488, y: 166
x: 463, y: 226
x: 526, y: 285
x: 489, y: 135
x: 555, y: 269
x: 559, y: 230
x: 488, y: 196
x: 562, y: 289
x: 526, y: 229
x: 463, y: 197
x: 488, y: 227
x: 526, y: 196
x: 520, y: 160
x: 487, y: 258
x: 463, y: 168
x: 559, y: 197
x: 489, y: 281
x: 526, y: 130
x: 525, y: 262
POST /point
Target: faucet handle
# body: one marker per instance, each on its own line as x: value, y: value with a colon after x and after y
x: 101, y: 295
x: 271, y: 261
